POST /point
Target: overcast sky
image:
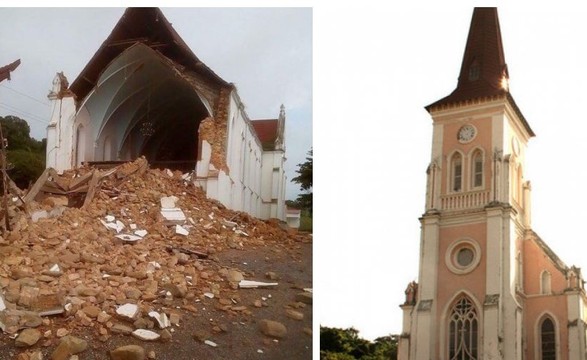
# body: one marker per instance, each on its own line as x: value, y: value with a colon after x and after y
x: 267, y: 53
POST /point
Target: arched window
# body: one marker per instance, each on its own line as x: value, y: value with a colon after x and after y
x: 545, y: 282
x: 477, y: 169
x: 457, y: 172
x: 463, y: 331
x: 547, y: 340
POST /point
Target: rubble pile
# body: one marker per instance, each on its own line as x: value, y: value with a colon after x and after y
x: 127, y: 250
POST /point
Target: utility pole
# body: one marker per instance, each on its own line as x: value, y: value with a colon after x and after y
x: 5, y: 75
x: 4, y: 179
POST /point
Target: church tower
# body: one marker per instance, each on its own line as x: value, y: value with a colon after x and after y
x: 480, y: 292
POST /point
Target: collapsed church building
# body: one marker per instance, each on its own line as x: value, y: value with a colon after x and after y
x: 488, y: 287
x: 145, y: 93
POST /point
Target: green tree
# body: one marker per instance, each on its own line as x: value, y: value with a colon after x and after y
x: 25, y: 155
x: 305, y: 178
x: 345, y: 344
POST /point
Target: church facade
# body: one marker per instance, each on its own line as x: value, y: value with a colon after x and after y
x: 488, y: 286
x: 145, y: 93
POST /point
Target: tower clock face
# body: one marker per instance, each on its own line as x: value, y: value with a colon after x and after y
x: 466, y: 133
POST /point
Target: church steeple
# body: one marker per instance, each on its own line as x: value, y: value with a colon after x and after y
x: 483, y: 70
x: 484, y: 73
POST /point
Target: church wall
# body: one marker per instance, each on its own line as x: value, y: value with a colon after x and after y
x: 535, y: 309
x: 60, y: 133
x: 451, y: 284
x: 538, y: 304
x: 451, y: 143
x: 535, y: 261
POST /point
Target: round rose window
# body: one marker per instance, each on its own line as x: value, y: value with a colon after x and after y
x: 463, y: 256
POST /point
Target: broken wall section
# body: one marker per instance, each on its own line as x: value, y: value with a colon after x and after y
x: 231, y: 157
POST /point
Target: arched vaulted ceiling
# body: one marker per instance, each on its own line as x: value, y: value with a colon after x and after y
x: 141, y: 89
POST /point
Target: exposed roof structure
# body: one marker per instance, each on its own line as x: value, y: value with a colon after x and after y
x: 147, y: 26
x: 484, y: 71
x: 267, y: 132
x: 5, y: 70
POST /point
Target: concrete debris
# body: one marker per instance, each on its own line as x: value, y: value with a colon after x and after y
x: 145, y: 335
x: 162, y: 319
x: 128, y: 311
x: 168, y: 202
x: 103, y: 247
x: 181, y: 230
x: 128, y: 237
x: 229, y: 224
x: 173, y: 215
x: 210, y: 343
x: 249, y: 284
x: 141, y: 233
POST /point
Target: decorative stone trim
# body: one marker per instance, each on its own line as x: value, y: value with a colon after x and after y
x: 463, y: 256
x: 491, y: 300
x: 425, y: 305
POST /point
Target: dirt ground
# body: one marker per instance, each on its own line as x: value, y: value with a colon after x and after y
x: 236, y: 333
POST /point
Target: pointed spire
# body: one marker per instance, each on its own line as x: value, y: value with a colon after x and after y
x: 483, y: 70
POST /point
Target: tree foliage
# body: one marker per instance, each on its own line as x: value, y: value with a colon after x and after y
x: 345, y: 344
x: 305, y: 178
x: 25, y: 155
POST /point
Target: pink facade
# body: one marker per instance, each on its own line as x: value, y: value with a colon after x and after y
x: 489, y: 287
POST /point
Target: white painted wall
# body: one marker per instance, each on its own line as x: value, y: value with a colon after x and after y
x: 60, y: 129
x: 251, y: 183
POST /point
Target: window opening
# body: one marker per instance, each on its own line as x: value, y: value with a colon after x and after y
x: 463, y: 331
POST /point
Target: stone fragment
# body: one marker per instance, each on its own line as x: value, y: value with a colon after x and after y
x: 103, y: 317
x: 210, y: 343
x: 133, y: 293
x: 121, y: 329
x: 151, y: 355
x: 271, y: 275
x: 145, y: 335
x: 234, y: 276
x: 162, y: 319
x: 177, y: 291
x: 128, y: 352
x: 165, y: 335
x: 168, y: 202
x: 174, y: 319
x: 305, y: 297
x: 296, y: 315
x: 128, y: 311
x: 69, y: 345
x: 61, y: 332
x: 272, y: 328
x: 92, y: 311
x: 28, y: 337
